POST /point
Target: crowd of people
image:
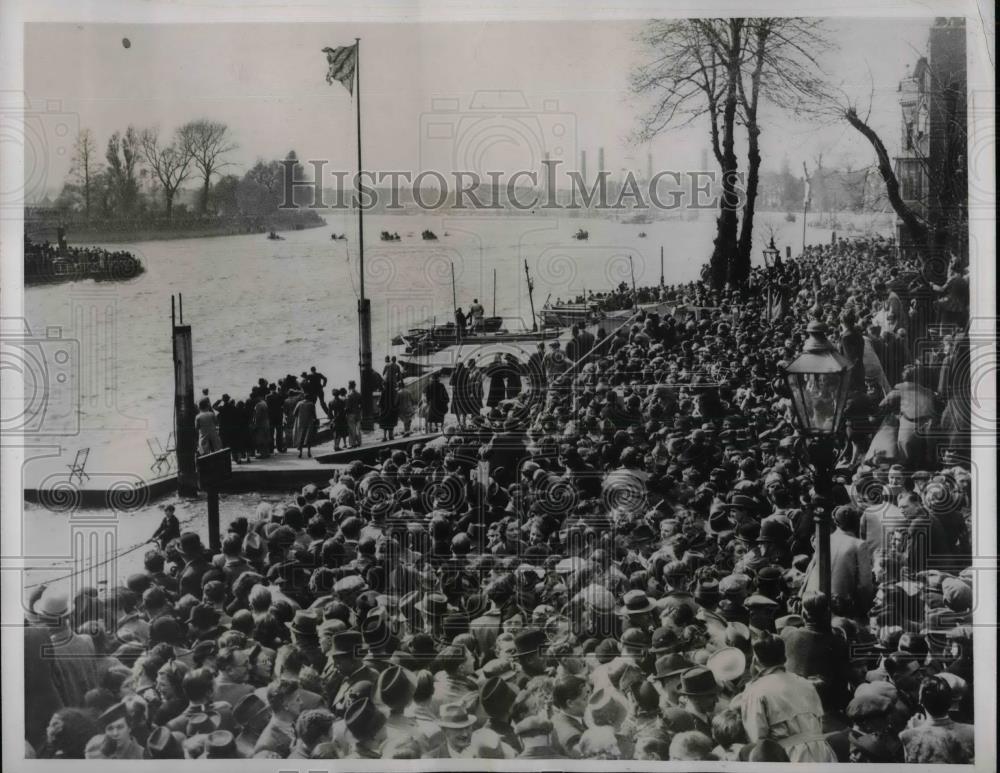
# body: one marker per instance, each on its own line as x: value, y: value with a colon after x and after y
x: 616, y: 559
x: 44, y: 259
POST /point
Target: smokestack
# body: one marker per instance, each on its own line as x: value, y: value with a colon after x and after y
x: 583, y: 166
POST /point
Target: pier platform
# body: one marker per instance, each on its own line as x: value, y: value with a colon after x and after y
x: 283, y: 472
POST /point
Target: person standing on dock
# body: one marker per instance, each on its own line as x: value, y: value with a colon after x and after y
x: 437, y: 403
x: 225, y: 410
x: 388, y: 402
x: 338, y: 408
x: 305, y: 418
x: 476, y: 311
x: 536, y: 370
x: 276, y: 416
x: 260, y: 424
x: 207, y: 425
x: 460, y: 322
x: 353, y: 402
x: 498, y: 382
x: 315, y: 382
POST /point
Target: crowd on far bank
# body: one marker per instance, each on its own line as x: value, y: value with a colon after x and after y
x: 616, y: 560
x: 40, y: 257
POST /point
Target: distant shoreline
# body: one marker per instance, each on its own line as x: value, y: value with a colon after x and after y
x: 156, y: 235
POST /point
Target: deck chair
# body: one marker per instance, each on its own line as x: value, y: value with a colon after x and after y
x: 161, y: 456
x: 76, y: 469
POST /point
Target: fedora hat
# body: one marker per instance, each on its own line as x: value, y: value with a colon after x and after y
x: 664, y: 640
x: 395, y: 687
x: 433, y: 605
x: 220, y: 744
x: 497, y: 697
x: 162, y: 744
x: 773, y: 531
x: 347, y: 643
x: 248, y: 708
x: 727, y: 664
x: 203, y: 617
x: 304, y: 624
x: 203, y: 723
x: 52, y: 603
x: 636, y: 602
x: 529, y: 641
x: 455, y: 715
x: 607, y: 706
x: 671, y: 665
x: 698, y: 681
x: 363, y: 717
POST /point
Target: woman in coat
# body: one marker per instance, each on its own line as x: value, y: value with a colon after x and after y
x: 338, y: 410
x: 437, y: 403
x: 305, y: 417
x: 208, y: 428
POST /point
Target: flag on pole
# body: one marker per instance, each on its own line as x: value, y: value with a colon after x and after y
x: 343, y: 61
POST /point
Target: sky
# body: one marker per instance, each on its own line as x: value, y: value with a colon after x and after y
x: 472, y: 95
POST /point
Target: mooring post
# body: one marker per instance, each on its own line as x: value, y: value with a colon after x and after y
x: 184, y: 410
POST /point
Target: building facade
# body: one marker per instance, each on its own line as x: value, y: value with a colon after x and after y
x: 931, y: 165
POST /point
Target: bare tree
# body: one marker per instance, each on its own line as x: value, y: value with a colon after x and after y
x: 722, y: 69
x: 780, y: 63
x: 206, y: 142
x: 171, y: 164
x: 86, y: 165
x: 692, y: 74
x: 124, y: 156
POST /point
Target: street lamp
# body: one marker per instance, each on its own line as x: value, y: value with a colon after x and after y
x: 818, y: 380
x: 772, y: 255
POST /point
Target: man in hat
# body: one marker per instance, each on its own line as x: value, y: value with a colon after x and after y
x: 345, y: 667
x: 395, y: 689
x: 814, y: 650
x: 195, y: 564
x: 73, y: 665
x: 116, y: 742
x: 783, y: 706
x: 699, y: 692
x: 528, y: 652
x: 251, y: 715
x: 305, y: 641
x: 456, y: 722
x: 497, y: 698
x: 534, y: 732
x: 366, y: 725
x: 162, y: 744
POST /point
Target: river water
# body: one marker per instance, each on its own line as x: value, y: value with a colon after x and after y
x: 266, y: 308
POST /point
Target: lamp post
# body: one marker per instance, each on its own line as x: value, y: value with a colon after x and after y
x: 818, y: 380
x: 772, y: 255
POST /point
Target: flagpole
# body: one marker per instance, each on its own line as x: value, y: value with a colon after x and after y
x: 364, y: 305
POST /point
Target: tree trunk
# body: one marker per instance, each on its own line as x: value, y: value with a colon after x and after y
x: 204, y: 194
x: 86, y: 193
x: 916, y: 226
x: 169, y: 197
x: 740, y: 270
x: 725, y: 244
